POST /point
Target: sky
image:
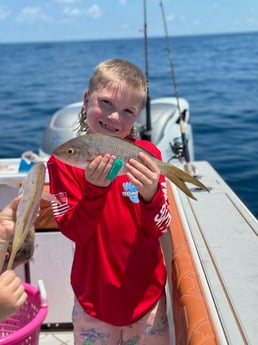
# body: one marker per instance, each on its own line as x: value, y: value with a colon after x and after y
x: 66, y: 20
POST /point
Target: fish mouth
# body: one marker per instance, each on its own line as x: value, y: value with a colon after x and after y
x: 108, y: 128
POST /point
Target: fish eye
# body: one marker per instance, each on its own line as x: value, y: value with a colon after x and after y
x: 70, y: 151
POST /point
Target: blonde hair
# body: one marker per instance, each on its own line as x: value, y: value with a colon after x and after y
x: 115, y: 70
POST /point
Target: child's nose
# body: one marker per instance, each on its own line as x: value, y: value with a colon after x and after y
x: 114, y: 115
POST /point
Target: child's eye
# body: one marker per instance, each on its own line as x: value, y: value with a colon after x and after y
x: 106, y: 101
x: 129, y: 112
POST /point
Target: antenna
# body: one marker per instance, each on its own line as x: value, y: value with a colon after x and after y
x: 181, y: 114
x: 147, y: 132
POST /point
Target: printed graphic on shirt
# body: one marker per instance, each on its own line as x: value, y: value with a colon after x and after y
x: 131, y: 192
x: 163, y: 218
x: 62, y: 206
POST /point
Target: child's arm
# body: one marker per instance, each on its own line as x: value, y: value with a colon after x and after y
x: 152, y: 192
x: 155, y: 214
x: 12, y: 294
x: 81, y: 202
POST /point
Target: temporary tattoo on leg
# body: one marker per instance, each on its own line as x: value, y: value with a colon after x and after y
x: 132, y: 341
x: 92, y: 337
x: 159, y: 329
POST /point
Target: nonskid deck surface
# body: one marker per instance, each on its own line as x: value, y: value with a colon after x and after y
x: 223, y: 237
x: 56, y: 338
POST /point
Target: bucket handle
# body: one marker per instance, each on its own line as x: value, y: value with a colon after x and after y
x: 43, y: 293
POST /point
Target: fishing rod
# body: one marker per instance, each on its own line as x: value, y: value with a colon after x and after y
x: 147, y: 132
x: 181, y: 114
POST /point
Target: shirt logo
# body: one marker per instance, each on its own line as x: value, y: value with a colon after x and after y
x: 131, y: 192
x: 61, y: 206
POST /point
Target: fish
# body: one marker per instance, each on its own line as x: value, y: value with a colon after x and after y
x: 28, y: 207
x: 79, y: 151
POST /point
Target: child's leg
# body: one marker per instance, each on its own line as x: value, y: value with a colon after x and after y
x: 152, y: 329
x: 88, y: 330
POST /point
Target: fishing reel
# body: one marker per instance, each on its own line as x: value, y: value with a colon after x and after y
x: 177, y: 148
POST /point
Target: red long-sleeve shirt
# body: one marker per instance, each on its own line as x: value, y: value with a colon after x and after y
x: 118, y: 271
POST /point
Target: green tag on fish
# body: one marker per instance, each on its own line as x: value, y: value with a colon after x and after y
x: 117, y: 165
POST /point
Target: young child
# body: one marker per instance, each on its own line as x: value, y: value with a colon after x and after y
x: 118, y: 273
x: 12, y: 294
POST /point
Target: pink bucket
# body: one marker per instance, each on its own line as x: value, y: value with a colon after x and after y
x: 23, y: 327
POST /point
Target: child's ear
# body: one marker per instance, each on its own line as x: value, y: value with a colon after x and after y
x: 85, y: 100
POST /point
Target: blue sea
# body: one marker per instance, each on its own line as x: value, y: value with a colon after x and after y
x: 217, y: 74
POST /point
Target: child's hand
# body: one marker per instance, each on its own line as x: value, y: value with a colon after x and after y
x: 145, y: 178
x: 12, y: 294
x: 8, y: 219
x: 97, y: 171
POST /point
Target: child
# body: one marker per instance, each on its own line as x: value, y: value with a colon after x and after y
x: 118, y: 272
x: 12, y: 294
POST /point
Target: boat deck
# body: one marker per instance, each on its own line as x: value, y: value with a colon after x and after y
x: 222, y: 237
x: 56, y: 338
x: 222, y: 234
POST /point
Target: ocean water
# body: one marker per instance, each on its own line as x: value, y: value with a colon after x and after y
x: 217, y: 74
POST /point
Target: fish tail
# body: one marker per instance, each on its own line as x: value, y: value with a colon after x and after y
x: 181, y: 185
x: 178, y: 177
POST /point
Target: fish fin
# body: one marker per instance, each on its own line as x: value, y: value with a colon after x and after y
x: 181, y: 185
x: 172, y: 170
x: 179, y: 177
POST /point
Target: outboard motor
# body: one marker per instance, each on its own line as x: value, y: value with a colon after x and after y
x: 61, y: 127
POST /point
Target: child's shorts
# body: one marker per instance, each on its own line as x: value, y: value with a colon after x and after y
x: 152, y: 329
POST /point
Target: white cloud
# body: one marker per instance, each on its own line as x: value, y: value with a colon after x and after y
x: 95, y: 11
x: 196, y: 22
x: 3, y: 14
x: 171, y: 17
x: 125, y: 26
x: 31, y: 14
x: 215, y: 5
x: 72, y: 12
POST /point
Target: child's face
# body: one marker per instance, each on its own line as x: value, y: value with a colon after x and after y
x: 112, y: 109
